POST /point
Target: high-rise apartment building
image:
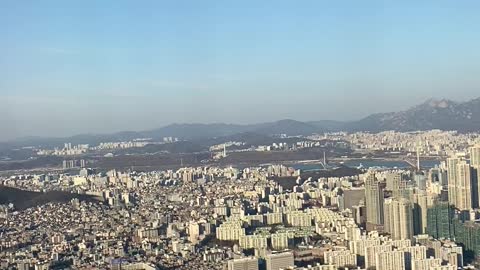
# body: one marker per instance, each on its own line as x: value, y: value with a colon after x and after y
x: 392, y: 260
x: 475, y: 156
x: 399, y: 218
x: 374, y: 201
x: 281, y: 241
x: 452, y: 176
x: 397, y: 185
x: 468, y: 233
x: 426, y: 264
x: 421, y: 202
x: 243, y: 264
x: 463, y: 184
x: 253, y: 241
x: 230, y: 231
x: 372, y: 251
x: 440, y: 220
x: 393, y: 180
x: 279, y: 261
x: 340, y: 258
x: 193, y: 232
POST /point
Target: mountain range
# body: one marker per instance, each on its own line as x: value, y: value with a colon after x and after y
x: 433, y: 114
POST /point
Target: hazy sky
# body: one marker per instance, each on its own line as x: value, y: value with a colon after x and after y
x: 70, y: 67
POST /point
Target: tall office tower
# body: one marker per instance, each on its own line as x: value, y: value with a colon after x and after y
x: 463, y: 186
x: 374, y: 202
x: 475, y: 155
x: 243, y: 264
x: 399, y: 218
x: 279, y: 261
x: 452, y: 182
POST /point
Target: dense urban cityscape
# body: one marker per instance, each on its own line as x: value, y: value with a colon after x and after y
x: 268, y: 216
x: 239, y: 135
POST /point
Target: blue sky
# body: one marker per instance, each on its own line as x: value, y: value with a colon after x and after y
x: 98, y: 66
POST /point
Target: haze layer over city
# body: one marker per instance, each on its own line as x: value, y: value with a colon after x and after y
x: 248, y: 135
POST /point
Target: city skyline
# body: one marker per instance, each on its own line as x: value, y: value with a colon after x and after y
x: 96, y: 67
x: 255, y: 216
x: 240, y: 135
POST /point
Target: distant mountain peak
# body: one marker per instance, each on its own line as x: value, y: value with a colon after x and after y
x: 439, y: 103
x: 440, y: 114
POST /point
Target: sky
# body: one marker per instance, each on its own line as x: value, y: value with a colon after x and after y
x: 70, y: 67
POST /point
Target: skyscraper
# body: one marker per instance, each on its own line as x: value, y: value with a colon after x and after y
x: 475, y: 156
x: 374, y: 201
x: 393, y: 180
x: 398, y: 185
x: 440, y: 220
x: 475, y: 174
x: 399, y: 218
x: 468, y: 234
x: 452, y: 176
x: 421, y: 202
x: 463, y: 184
